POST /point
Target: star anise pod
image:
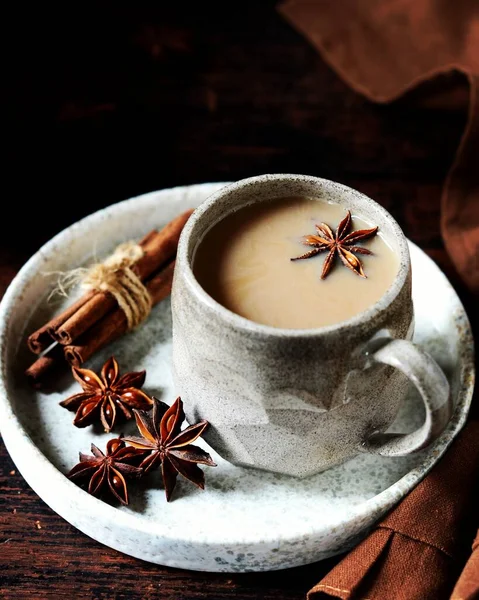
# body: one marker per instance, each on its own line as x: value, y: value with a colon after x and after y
x: 107, y: 397
x: 101, y: 473
x: 169, y: 446
x: 341, y: 243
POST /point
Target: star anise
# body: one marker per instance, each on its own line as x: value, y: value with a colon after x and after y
x: 341, y: 243
x: 101, y: 473
x: 169, y: 446
x: 108, y: 396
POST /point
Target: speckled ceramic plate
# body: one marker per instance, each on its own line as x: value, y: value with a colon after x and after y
x: 246, y: 520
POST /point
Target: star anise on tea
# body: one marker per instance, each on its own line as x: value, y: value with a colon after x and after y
x: 169, y: 446
x: 339, y: 243
x: 107, y: 398
x: 104, y: 474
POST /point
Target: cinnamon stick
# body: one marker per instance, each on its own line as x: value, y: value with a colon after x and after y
x: 114, y: 324
x: 83, y: 313
x: 158, y: 250
x: 162, y: 248
x: 42, y: 338
x: 43, y: 371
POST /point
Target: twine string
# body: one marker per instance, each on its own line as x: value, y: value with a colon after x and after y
x: 115, y: 276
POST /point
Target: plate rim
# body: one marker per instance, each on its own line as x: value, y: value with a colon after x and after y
x: 16, y: 434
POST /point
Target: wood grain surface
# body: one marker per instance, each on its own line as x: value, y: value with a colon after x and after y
x: 105, y: 103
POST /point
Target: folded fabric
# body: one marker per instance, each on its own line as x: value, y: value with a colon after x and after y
x: 382, y: 48
x: 417, y: 551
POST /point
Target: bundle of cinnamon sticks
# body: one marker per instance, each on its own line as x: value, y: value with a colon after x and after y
x: 95, y: 319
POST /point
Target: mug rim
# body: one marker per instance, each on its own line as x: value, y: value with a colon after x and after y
x: 244, y: 324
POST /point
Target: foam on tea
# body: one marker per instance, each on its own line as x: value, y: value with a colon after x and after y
x: 244, y: 263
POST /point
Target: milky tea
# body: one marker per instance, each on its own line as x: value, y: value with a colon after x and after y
x: 244, y: 263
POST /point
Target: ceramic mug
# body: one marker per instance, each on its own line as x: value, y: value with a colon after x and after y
x: 298, y: 401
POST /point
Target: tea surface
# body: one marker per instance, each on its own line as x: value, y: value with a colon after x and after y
x: 244, y: 263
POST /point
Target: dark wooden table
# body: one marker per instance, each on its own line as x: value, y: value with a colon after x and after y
x: 105, y: 104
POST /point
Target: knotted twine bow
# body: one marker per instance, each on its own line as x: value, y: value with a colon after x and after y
x: 115, y: 276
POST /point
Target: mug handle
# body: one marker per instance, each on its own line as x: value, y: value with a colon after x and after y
x: 423, y: 371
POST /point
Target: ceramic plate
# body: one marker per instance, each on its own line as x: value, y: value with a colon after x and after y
x: 245, y: 520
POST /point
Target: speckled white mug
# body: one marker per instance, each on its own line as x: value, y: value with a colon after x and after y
x: 300, y: 401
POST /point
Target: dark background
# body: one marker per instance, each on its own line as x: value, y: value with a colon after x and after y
x: 102, y: 103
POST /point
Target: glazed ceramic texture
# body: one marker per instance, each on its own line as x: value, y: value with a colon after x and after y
x: 289, y: 401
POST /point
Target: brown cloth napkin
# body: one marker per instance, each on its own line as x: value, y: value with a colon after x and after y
x: 417, y: 551
x: 467, y: 588
x: 382, y: 48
